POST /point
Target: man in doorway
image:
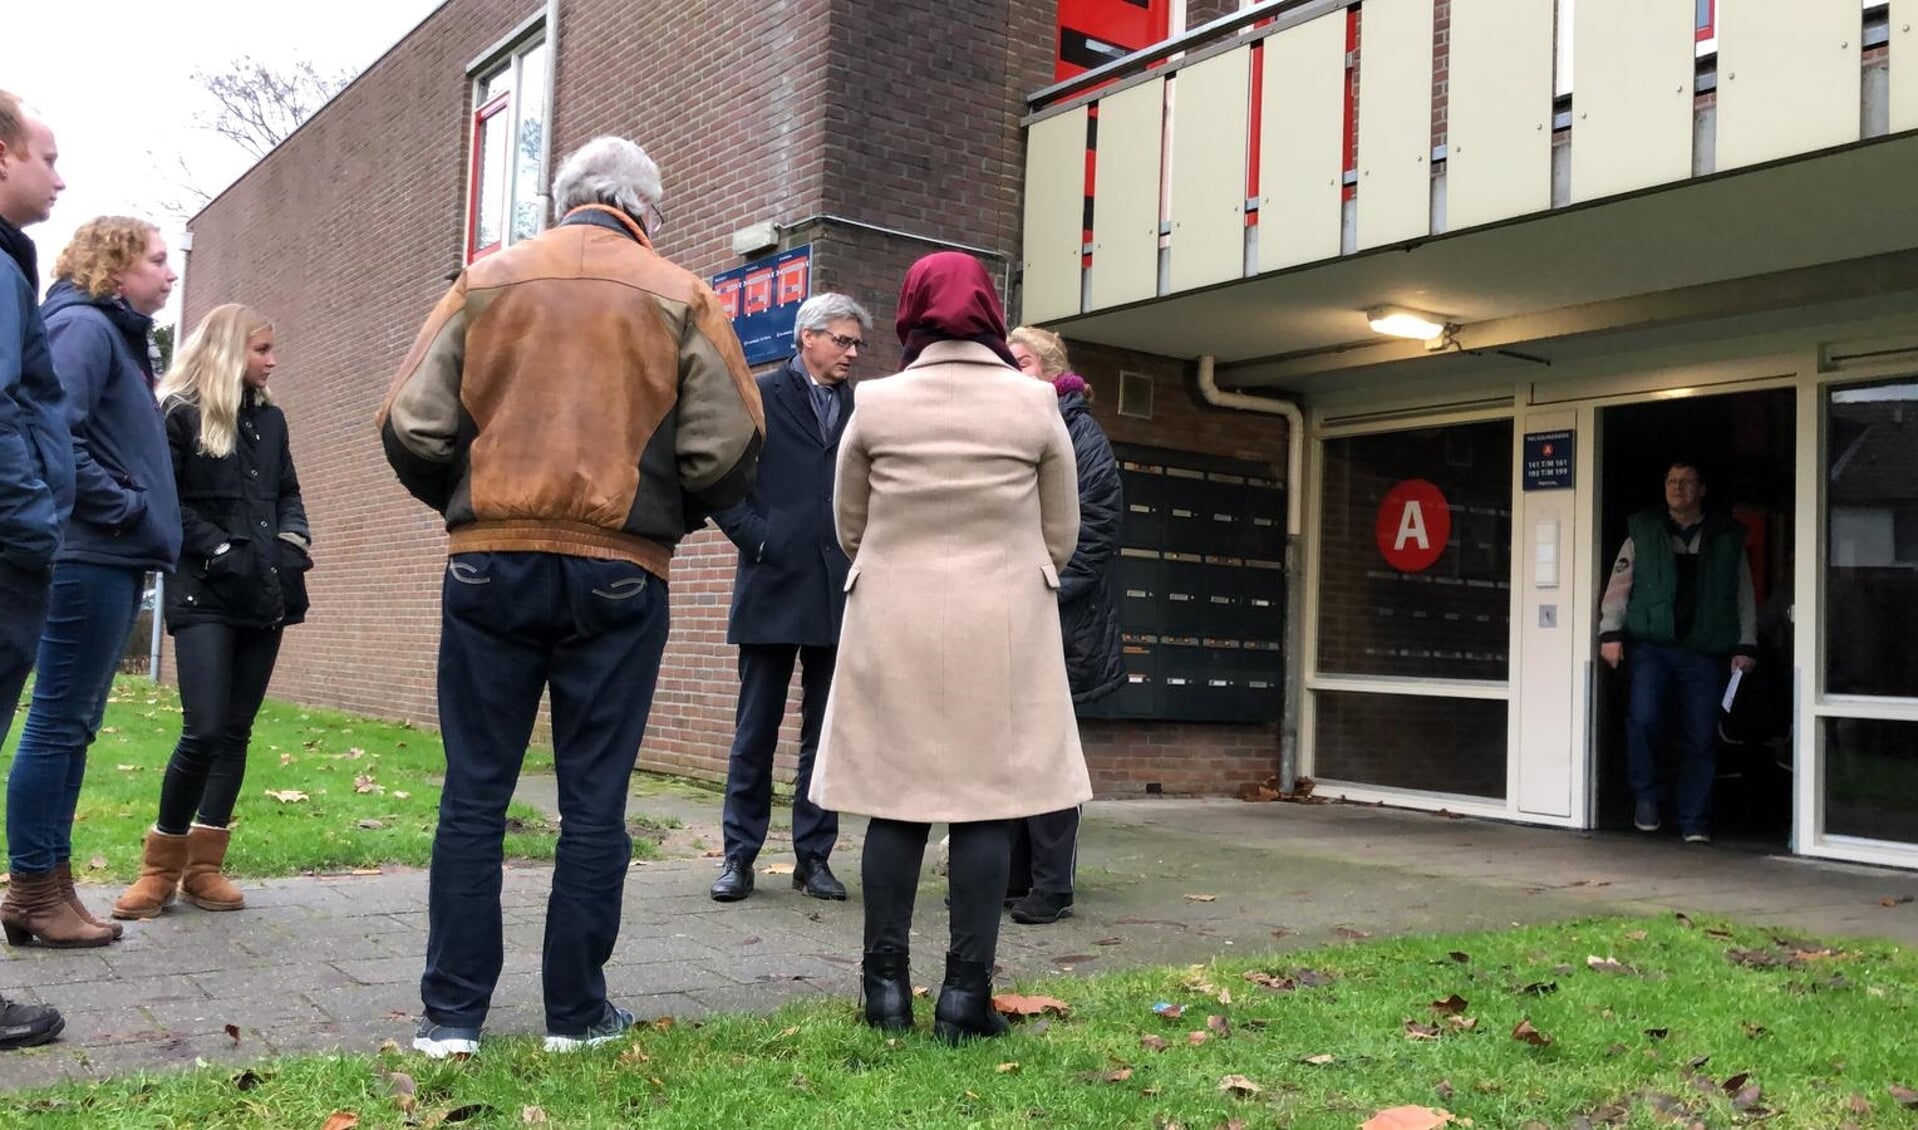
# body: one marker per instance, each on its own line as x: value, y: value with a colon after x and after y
x: 789, y: 595
x: 572, y: 407
x: 1680, y: 614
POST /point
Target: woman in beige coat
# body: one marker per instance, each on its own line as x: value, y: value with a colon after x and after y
x: 957, y: 499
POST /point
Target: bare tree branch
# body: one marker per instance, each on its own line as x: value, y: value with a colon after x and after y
x: 259, y: 107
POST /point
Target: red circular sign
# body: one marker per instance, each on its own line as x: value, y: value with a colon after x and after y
x: 1414, y: 525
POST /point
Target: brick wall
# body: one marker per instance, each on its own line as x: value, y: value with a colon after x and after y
x: 901, y: 117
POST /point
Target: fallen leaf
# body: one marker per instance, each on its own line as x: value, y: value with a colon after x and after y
x: 128, y: 768
x: 1683, y: 919
x: 1606, y: 964
x: 1444, y: 1089
x: 1462, y: 1023
x: 459, y: 1114
x: 752, y: 941
x: 1460, y: 957
x: 1169, y: 1011
x: 1320, y: 1060
x: 1530, y: 1035
x: 233, y: 1033
x: 364, y: 783
x: 286, y: 759
x: 97, y: 863
x: 921, y: 992
x: 1731, y: 1086
x: 1636, y: 936
x: 533, y: 1116
x: 247, y: 1080
x: 1153, y: 1043
x: 1698, y: 1061
x: 390, y: 1047
x: 401, y: 794
x: 1071, y: 959
x: 1220, y: 1027
x: 1312, y: 978
x: 1118, y: 1075
x: 1012, y: 1004
x: 1196, y: 1037
x: 1657, y: 1033
x: 1109, y: 942
x: 1746, y: 1098
x: 1859, y: 1104
x: 372, y: 825
x: 1895, y: 900
x: 365, y: 871
x: 1202, y: 898
x: 634, y: 1055
x: 1006, y: 1068
x: 295, y: 796
x: 1417, y: 1031
x: 1451, y: 1005
x: 1225, y: 996
x: 1906, y: 1097
x: 1266, y: 980
x: 1409, y: 1118
x: 779, y: 869
x: 1352, y: 932
x: 340, y: 1120
x: 664, y: 1023
x: 1540, y: 988
x: 1753, y: 1031
x: 404, y: 1090
x: 1232, y: 1124
x: 1240, y: 1086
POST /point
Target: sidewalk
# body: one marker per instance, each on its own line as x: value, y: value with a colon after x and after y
x: 322, y: 963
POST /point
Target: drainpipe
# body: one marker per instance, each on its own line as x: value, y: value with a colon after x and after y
x: 1294, y: 571
x: 551, y: 32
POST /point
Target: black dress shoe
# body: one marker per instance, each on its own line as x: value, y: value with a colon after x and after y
x: 816, y: 879
x: 734, y: 883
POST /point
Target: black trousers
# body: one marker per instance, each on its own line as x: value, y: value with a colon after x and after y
x: 889, y: 874
x: 1045, y: 853
x: 765, y: 672
x: 223, y: 676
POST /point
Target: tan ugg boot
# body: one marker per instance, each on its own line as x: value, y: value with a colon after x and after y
x: 36, y: 909
x: 160, y: 869
x: 63, y: 871
x: 202, y: 884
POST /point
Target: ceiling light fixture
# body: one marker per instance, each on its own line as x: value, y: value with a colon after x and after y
x: 1402, y: 321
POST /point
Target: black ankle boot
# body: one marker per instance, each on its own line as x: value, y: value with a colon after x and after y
x: 885, y: 980
x: 965, y: 1009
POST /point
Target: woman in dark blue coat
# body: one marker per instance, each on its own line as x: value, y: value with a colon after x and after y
x: 1088, y: 618
x: 111, y: 280
x: 241, y: 580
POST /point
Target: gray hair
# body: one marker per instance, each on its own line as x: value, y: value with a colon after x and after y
x: 607, y: 170
x: 823, y: 308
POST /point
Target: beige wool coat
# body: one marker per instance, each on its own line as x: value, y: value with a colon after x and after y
x: 957, y: 500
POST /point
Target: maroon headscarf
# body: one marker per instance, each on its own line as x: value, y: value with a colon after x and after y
x: 947, y: 296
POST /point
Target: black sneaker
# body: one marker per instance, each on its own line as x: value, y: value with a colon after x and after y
x: 441, y: 1041
x: 1645, y: 816
x: 734, y: 883
x: 612, y: 1025
x: 1042, y: 908
x: 816, y: 880
x: 28, y: 1025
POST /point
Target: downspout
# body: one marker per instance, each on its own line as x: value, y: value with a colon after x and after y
x: 1294, y: 570
x: 551, y: 32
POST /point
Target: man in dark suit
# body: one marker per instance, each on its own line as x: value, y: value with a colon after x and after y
x: 789, y: 594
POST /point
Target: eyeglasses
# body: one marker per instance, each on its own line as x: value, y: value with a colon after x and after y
x: 655, y: 219
x: 842, y: 341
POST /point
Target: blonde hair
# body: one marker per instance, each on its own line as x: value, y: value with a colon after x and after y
x: 13, y: 125
x: 102, y: 250
x: 1047, y: 346
x: 209, y: 373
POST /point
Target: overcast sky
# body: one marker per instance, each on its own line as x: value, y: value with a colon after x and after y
x: 114, y: 80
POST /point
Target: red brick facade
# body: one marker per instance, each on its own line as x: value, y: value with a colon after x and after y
x: 902, y: 117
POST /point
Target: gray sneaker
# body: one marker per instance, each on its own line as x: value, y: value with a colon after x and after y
x: 439, y: 1041
x: 612, y: 1025
x: 1645, y: 816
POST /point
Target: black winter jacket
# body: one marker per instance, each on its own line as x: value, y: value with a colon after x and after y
x: 243, y: 501
x: 1088, y: 604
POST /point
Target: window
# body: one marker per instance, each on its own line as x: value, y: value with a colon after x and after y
x: 505, y: 193
x: 1871, y: 500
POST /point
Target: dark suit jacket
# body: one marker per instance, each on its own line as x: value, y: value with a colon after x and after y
x: 790, y: 588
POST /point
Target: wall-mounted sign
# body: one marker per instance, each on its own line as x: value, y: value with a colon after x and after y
x: 1414, y: 524
x: 762, y: 298
x: 1548, y: 460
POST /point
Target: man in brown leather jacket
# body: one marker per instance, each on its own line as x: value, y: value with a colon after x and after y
x: 573, y: 406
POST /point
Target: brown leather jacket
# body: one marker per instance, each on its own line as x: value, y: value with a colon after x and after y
x: 577, y: 394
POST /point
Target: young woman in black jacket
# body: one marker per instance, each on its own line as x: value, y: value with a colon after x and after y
x: 241, y: 580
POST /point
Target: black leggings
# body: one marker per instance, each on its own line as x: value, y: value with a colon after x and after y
x: 889, y: 870
x: 223, y: 677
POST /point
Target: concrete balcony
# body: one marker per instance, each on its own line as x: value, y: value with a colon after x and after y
x: 1519, y: 167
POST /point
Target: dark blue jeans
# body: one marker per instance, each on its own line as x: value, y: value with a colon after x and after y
x: 23, y: 613
x: 515, y: 625
x: 90, y: 612
x: 765, y: 673
x: 1686, y: 687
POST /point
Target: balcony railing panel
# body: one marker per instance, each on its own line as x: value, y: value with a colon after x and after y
x: 1302, y: 144
x: 1632, y: 113
x: 1498, y: 156
x: 1210, y: 119
x: 1125, y: 220
x: 1395, y: 122
x: 1055, y: 216
x: 1788, y: 79
x: 1904, y: 70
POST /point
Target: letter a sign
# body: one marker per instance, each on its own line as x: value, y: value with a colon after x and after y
x: 1414, y: 525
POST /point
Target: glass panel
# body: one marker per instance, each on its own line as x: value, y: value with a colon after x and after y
x: 495, y: 84
x: 1871, y: 778
x: 531, y: 132
x: 1416, y: 553
x: 1871, y: 539
x: 1442, y: 745
x: 492, y: 185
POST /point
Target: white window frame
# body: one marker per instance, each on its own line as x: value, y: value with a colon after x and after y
x: 508, y: 54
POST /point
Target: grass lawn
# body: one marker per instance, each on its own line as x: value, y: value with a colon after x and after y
x: 1640, y: 1022
x: 352, y: 793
